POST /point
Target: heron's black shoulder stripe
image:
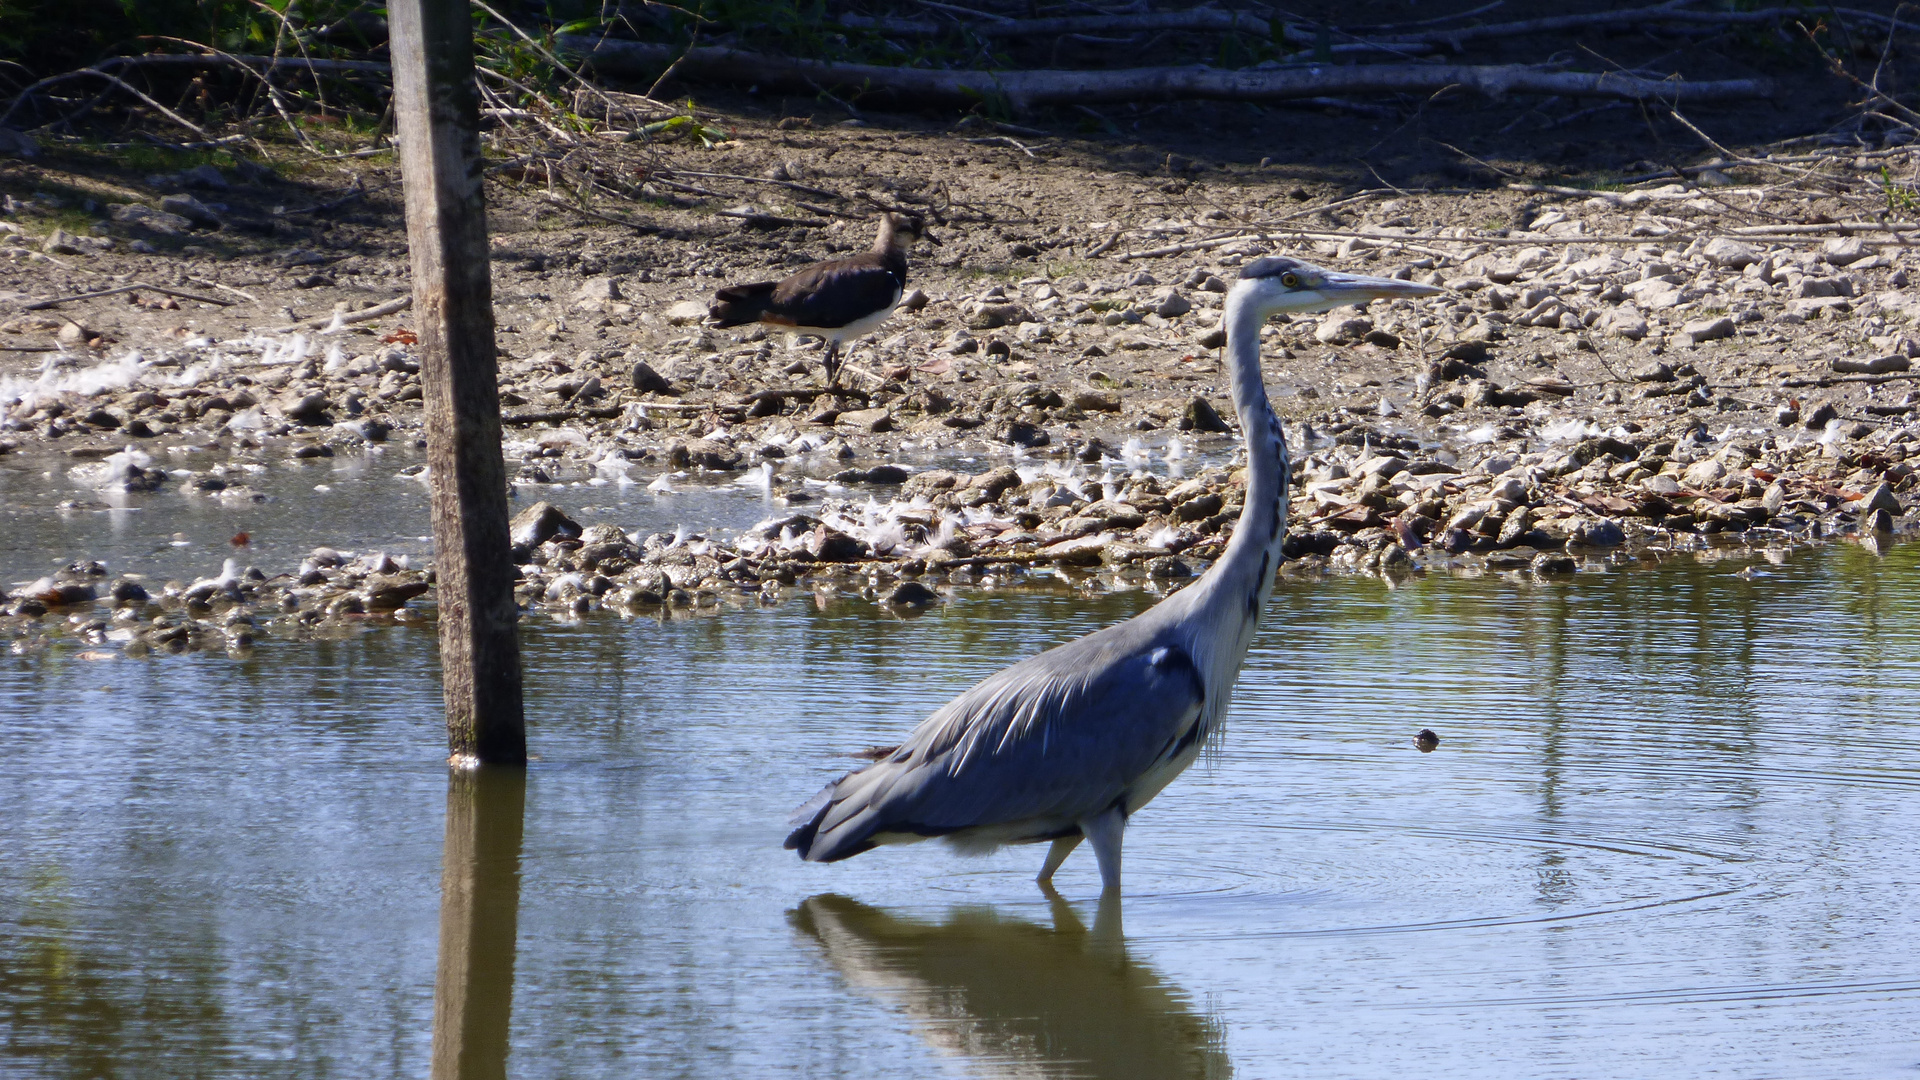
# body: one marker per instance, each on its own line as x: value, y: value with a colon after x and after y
x: 1170, y: 661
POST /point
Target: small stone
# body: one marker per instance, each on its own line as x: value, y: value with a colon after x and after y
x: 832, y: 545
x: 686, y: 313
x: 1877, y: 522
x: 1169, y: 304
x: 914, y: 300
x: 1818, y: 418
x: 154, y: 221
x: 910, y: 594
x: 871, y: 421
x: 192, y: 209
x: 1548, y: 562
x: 1426, y: 741
x: 1844, y: 251
x: 206, y: 177
x: 61, y: 242
x: 1881, y: 498
x: 648, y: 381
x: 1021, y: 433
x: 540, y: 523
x: 1341, y: 329
x: 1201, y: 416
x: 1701, y: 330
x: 1879, y: 365
x: 599, y: 290
x: 1705, y: 473
x: 1729, y: 254
x: 1095, y: 401
x: 994, y: 316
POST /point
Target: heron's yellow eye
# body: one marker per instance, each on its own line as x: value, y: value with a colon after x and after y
x: 1291, y: 281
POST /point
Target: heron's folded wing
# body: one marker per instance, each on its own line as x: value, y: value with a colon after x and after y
x: 1061, y: 735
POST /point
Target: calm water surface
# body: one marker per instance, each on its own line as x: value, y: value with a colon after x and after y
x: 1669, y: 832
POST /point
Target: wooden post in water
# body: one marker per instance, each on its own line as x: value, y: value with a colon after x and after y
x: 437, y: 116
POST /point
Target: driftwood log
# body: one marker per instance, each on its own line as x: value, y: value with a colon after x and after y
x: 1027, y: 89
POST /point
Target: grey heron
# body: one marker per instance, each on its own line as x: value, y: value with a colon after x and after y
x: 1069, y: 744
x: 840, y: 300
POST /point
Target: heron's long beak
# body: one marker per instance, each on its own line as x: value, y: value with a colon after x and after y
x: 1342, y: 288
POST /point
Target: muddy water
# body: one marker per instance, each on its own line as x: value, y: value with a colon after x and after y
x: 1668, y: 831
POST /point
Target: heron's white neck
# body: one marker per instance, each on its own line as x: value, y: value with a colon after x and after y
x: 1234, y: 591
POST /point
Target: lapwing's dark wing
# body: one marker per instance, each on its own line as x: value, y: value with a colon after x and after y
x: 835, y: 294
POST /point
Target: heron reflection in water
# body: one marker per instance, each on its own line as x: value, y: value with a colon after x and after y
x: 1019, y: 999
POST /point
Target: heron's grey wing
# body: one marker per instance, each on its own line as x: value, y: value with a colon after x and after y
x: 1057, y: 737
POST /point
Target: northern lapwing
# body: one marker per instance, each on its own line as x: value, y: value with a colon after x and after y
x: 840, y: 300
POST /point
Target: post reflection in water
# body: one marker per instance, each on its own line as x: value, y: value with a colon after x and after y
x: 479, y: 920
x: 1019, y: 999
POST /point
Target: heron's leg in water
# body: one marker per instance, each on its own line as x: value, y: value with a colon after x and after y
x: 1105, y: 830
x: 1056, y: 855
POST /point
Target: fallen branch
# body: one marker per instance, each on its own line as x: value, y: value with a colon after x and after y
x: 1026, y: 89
x: 344, y: 318
x: 136, y: 286
x: 756, y: 220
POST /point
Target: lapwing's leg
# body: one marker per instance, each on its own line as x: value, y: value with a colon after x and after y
x: 832, y: 362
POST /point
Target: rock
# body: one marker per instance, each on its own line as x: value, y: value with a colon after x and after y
x: 914, y: 300
x: 995, y: 481
x: 910, y: 594
x: 1548, y: 562
x: 1202, y: 417
x: 1625, y: 322
x: 1199, y: 508
x: 73, y: 334
x: 1701, y: 330
x: 390, y: 594
x: 1211, y: 339
x: 205, y: 177
x: 1705, y: 473
x: 1729, y: 254
x: 686, y: 313
x: 1844, y: 251
x: 1879, y: 365
x: 600, y: 290
x: 1661, y: 485
x: 1095, y: 401
x: 704, y: 454
x: 1169, y: 304
x: 126, y: 591
x: 1465, y: 352
x: 1341, y: 329
x: 932, y: 482
x: 832, y: 545
x: 1881, y: 498
x: 154, y: 221
x: 879, y: 474
x: 192, y: 209
x: 1877, y: 522
x: 871, y: 421
x: 540, y: 523
x: 1385, y: 466
x: 994, y: 316
x: 1602, y: 533
x: 17, y: 144
x: 1656, y: 372
x: 1817, y: 419
x: 648, y: 381
x: 1021, y: 433
x: 308, y: 409
x: 62, y: 242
